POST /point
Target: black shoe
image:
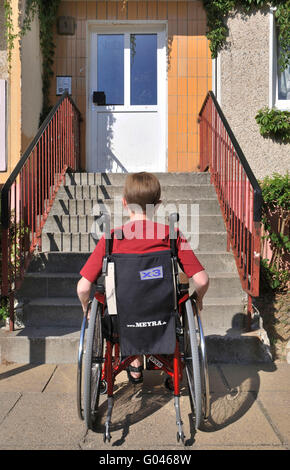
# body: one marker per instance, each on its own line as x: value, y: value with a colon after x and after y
x: 134, y: 380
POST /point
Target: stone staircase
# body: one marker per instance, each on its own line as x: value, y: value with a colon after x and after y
x: 52, y: 316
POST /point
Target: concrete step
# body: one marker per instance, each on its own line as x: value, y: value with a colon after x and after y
x: 54, y: 262
x: 116, y: 179
x: 34, y: 345
x: 50, y: 285
x: 86, y: 242
x: 92, y: 224
x: 103, y: 192
x: 59, y: 345
x: 218, y: 313
x: 206, y: 206
x: 53, y: 311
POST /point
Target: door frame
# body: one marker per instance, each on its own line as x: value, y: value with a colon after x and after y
x: 137, y: 26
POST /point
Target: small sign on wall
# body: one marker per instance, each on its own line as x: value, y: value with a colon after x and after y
x: 3, y: 127
x: 63, y: 84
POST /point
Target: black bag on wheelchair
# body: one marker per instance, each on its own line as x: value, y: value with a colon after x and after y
x: 145, y: 299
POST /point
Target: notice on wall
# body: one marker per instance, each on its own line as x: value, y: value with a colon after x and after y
x: 63, y: 84
x: 3, y: 127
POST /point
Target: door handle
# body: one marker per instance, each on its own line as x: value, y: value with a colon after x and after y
x: 99, y: 98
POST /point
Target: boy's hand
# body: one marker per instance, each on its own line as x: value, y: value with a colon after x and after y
x: 198, y: 300
x: 87, y: 310
x: 83, y: 291
x: 199, y: 303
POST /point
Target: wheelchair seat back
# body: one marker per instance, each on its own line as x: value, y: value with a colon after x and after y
x: 145, y: 300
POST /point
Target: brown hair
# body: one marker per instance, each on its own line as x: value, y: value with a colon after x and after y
x: 142, y: 188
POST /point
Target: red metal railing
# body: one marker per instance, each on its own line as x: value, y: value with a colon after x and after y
x: 29, y: 192
x: 238, y: 192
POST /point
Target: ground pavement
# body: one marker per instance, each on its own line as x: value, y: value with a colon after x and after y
x: 249, y: 411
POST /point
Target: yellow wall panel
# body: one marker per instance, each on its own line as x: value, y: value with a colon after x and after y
x: 189, y: 65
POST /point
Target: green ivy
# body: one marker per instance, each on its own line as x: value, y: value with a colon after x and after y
x: 10, y: 36
x: 276, y: 196
x: 46, y: 11
x: 218, y: 11
x: 274, y: 123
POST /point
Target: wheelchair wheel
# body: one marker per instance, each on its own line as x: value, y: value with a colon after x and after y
x: 203, y: 364
x: 93, y: 365
x: 80, y: 367
x: 192, y: 363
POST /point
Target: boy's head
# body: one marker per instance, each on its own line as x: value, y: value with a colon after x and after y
x: 141, y: 189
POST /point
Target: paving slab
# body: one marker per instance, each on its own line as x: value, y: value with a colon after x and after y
x: 276, y: 406
x: 7, y: 402
x: 42, y: 421
x: 268, y: 376
x: 25, y: 377
x: 249, y: 411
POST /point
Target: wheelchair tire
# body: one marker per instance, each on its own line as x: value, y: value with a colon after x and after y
x: 203, y: 364
x: 93, y: 365
x: 80, y: 367
x: 192, y: 363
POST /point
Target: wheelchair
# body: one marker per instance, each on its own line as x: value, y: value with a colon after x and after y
x: 101, y: 359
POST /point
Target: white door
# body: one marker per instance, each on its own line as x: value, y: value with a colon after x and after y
x: 127, y: 101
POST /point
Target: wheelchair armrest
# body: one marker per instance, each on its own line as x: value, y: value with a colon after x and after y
x: 100, y: 285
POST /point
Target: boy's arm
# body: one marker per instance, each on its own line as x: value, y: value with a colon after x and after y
x: 83, y: 290
x: 201, y: 283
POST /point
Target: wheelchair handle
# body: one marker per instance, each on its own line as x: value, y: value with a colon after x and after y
x: 173, y: 218
x: 105, y: 220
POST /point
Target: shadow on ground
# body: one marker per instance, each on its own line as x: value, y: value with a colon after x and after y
x: 233, y: 391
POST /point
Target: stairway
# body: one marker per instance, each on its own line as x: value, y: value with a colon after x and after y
x: 52, y: 313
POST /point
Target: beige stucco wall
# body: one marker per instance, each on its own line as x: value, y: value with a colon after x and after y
x: 244, y: 86
x: 31, y: 83
x: 13, y: 97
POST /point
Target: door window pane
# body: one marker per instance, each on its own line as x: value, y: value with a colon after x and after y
x: 110, y: 66
x: 143, y: 69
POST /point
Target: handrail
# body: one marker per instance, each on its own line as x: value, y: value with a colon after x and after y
x: 239, y: 194
x: 10, y: 180
x: 29, y: 192
x: 241, y: 156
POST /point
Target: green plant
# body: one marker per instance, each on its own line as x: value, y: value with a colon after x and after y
x: 4, y: 311
x: 274, y: 123
x: 46, y: 11
x: 9, y: 34
x: 218, y: 11
x: 276, y: 220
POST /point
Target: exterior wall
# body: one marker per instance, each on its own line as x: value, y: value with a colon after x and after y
x: 3, y: 95
x: 189, y: 65
x: 244, y: 85
x: 13, y: 95
x: 31, y: 83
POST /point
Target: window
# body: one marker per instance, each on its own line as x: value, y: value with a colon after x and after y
x: 110, y: 59
x: 279, y: 89
x: 283, y: 85
x: 143, y: 73
x: 127, y: 69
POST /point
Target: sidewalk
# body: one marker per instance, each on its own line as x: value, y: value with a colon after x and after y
x: 250, y: 411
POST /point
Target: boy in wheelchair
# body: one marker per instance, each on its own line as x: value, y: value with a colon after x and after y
x: 141, y: 236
